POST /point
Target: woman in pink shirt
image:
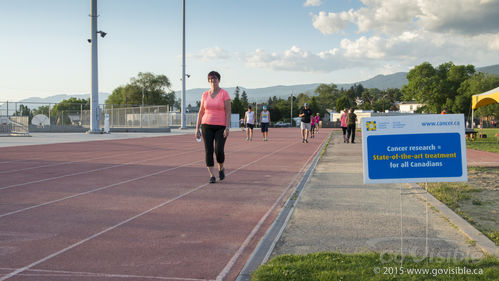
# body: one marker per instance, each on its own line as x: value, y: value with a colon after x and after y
x: 214, y: 119
x: 317, y: 122
x: 343, y: 125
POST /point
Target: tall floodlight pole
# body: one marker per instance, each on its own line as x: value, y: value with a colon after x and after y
x: 94, y: 99
x: 182, y: 102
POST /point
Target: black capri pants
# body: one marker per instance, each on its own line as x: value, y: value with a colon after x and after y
x: 213, y: 133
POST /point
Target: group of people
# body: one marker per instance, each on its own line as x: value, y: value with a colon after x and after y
x: 348, y: 120
x: 249, y: 123
x: 309, y: 123
x: 213, y: 124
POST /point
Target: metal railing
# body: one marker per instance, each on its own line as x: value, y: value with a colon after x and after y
x: 17, y: 125
x: 50, y: 117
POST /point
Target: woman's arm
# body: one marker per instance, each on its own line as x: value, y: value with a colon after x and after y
x: 200, y: 116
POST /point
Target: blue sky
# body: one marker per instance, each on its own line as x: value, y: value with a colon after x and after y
x: 253, y: 44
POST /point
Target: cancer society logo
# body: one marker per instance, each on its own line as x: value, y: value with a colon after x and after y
x: 371, y: 125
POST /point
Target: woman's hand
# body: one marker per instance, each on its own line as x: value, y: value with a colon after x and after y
x: 197, y: 135
x: 226, y: 132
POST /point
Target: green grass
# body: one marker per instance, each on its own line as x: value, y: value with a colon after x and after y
x: 490, y: 144
x: 371, y: 266
x: 451, y: 193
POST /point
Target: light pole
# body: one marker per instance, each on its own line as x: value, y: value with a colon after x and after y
x: 182, y: 101
x: 383, y: 101
x: 94, y: 98
x: 291, y: 116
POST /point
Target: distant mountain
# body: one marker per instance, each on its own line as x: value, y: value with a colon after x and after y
x: 382, y: 82
x: 396, y: 80
x: 491, y: 69
x: 35, y: 102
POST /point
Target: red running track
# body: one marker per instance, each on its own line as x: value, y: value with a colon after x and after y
x: 141, y: 209
x: 482, y: 158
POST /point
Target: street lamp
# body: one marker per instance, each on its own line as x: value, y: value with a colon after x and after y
x: 383, y: 101
x: 94, y: 98
x: 182, y: 101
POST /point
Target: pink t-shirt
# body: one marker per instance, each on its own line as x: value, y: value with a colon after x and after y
x: 343, y: 119
x: 214, y: 108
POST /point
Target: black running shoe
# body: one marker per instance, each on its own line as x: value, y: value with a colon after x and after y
x: 213, y: 180
x: 221, y: 174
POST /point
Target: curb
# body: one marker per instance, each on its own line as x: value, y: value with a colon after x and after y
x: 482, y: 242
x: 265, y: 247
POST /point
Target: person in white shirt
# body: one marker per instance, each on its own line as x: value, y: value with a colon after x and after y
x: 249, y: 122
x: 264, y: 122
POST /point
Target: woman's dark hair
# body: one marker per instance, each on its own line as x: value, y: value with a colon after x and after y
x: 214, y: 74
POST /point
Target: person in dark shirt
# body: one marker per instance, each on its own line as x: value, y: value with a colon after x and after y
x: 305, y: 114
x: 351, y: 120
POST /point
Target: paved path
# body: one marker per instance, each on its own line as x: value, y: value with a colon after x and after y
x: 337, y: 212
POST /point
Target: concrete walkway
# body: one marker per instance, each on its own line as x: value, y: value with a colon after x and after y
x: 48, y: 138
x: 337, y: 212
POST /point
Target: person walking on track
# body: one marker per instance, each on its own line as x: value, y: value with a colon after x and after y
x: 351, y: 120
x: 317, y: 121
x: 343, y: 124
x: 249, y: 121
x: 264, y: 122
x: 305, y: 114
x: 214, y: 118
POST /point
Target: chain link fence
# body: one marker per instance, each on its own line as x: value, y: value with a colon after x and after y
x: 76, y: 117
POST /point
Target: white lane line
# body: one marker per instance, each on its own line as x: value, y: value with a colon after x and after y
x: 62, y: 163
x: 93, y: 170
x: 253, y: 232
x: 104, y: 187
x: 27, y: 267
x: 63, y: 273
x: 95, y: 190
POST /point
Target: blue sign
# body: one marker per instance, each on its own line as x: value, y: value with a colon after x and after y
x: 414, y: 156
x: 414, y: 148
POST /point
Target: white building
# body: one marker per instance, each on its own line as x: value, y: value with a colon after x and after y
x: 409, y: 106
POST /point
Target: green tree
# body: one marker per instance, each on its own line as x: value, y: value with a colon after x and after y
x: 236, y: 105
x: 436, y: 87
x: 44, y: 109
x: 477, y: 84
x: 346, y: 100
x: 315, y: 106
x: 62, y: 111
x: 422, y: 86
x: 244, y: 102
x: 327, y: 95
x: 146, y: 88
x: 24, y: 111
x: 301, y: 99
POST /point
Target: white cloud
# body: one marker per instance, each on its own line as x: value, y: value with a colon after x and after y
x: 364, y: 47
x: 309, y: 3
x: 395, y: 16
x: 465, y: 17
x: 329, y: 23
x: 296, y: 59
x: 215, y: 53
